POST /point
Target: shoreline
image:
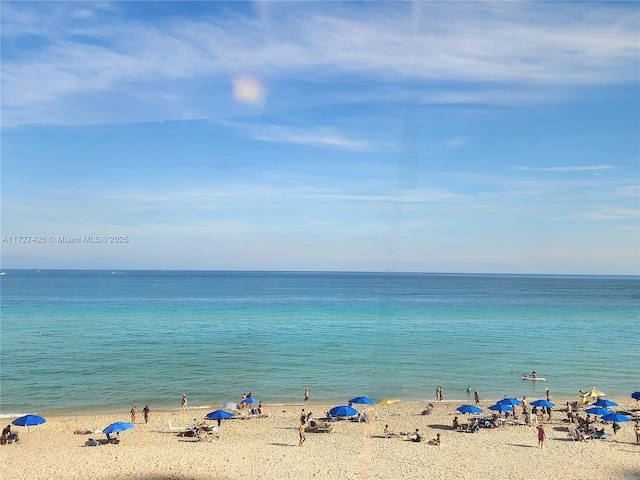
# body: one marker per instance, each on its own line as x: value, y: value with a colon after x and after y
x: 56, y: 414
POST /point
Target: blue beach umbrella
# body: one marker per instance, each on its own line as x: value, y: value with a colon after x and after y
x: 117, y: 427
x: 469, y: 409
x: 218, y: 415
x: 616, y: 417
x: 501, y: 407
x: 28, y: 421
x: 636, y: 395
x: 251, y: 400
x: 509, y: 401
x: 343, y: 411
x: 603, y: 402
x: 362, y: 400
x: 598, y: 411
x: 543, y: 403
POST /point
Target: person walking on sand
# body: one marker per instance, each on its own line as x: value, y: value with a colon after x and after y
x: 133, y: 414
x: 476, y: 396
x: 301, y: 433
x: 637, y: 430
x: 548, y: 394
x: 541, y: 436
x: 145, y: 412
x: 306, y: 396
x: 184, y: 405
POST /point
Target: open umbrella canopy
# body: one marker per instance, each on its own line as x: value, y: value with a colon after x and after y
x: 594, y: 393
x: 469, y: 409
x: 118, y: 427
x: 543, y: 403
x: 343, y: 411
x: 218, y: 415
x: 616, y: 417
x: 603, y: 402
x: 509, y: 401
x: 251, y: 400
x: 28, y: 421
x: 636, y: 395
x: 598, y: 411
x: 362, y: 400
x: 501, y: 407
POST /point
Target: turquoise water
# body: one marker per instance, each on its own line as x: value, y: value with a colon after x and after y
x: 102, y: 341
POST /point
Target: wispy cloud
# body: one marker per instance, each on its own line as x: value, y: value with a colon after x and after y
x: 313, y: 137
x: 579, y: 168
x: 614, y: 214
x: 84, y: 56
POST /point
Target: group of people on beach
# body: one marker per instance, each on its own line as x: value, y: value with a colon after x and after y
x: 145, y: 413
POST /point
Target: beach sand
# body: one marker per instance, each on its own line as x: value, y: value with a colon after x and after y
x: 267, y: 448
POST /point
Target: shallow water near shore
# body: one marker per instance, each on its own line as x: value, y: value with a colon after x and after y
x: 89, y: 341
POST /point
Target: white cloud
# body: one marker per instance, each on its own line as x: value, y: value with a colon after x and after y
x: 533, y: 45
x: 579, y: 168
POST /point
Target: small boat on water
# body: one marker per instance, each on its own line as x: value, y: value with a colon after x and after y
x: 533, y: 379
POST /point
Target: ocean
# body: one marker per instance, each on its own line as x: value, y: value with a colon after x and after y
x: 89, y: 341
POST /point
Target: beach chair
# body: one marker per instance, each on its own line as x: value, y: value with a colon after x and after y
x: 331, y: 418
x: 92, y: 442
x: 599, y: 434
x: 173, y: 429
x: 200, y: 434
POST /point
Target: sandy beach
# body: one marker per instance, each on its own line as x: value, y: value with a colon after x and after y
x: 268, y: 448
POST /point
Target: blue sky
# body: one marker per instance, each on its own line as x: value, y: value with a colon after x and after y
x: 403, y: 136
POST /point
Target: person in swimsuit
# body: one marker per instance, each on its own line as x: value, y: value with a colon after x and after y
x: 6, y: 431
x: 301, y: 433
x: 145, y: 412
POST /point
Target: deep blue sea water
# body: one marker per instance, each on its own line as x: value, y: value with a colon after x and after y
x: 101, y: 341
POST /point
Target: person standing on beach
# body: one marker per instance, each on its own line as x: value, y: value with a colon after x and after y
x: 184, y: 405
x: 145, y: 412
x: 548, y: 394
x: 541, y: 436
x: 6, y: 431
x: 637, y: 430
x: 133, y: 414
x: 306, y: 396
x: 301, y: 433
x: 476, y: 396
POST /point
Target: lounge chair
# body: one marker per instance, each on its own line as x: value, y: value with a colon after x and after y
x: 173, y: 429
x: 331, y: 418
x: 319, y: 427
x: 574, y: 433
x: 595, y: 433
